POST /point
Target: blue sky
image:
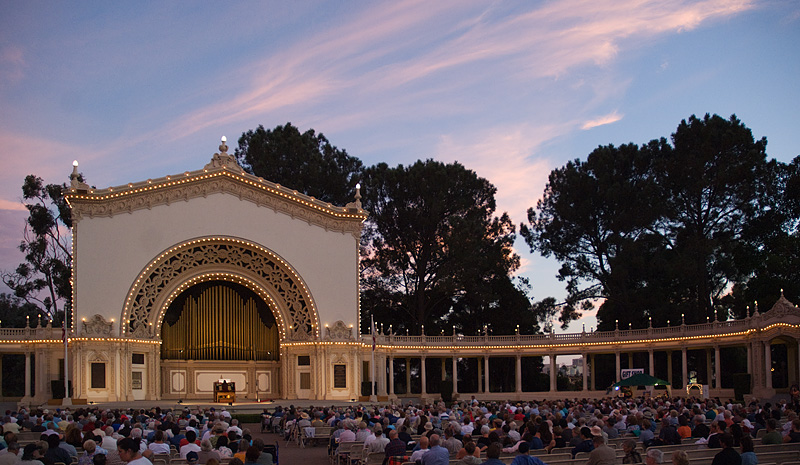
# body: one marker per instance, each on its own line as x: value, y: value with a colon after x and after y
x: 512, y: 90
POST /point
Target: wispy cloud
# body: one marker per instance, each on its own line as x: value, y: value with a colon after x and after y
x: 370, y: 58
x: 12, y: 65
x: 602, y: 120
x: 11, y: 205
x: 508, y: 157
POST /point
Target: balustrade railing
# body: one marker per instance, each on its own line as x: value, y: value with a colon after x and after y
x: 621, y: 335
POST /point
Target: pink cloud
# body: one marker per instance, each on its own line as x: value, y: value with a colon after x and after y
x: 602, y: 120
x: 544, y: 42
x: 11, y: 205
x: 506, y: 156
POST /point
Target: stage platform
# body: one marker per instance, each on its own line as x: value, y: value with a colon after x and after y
x: 235, y: 407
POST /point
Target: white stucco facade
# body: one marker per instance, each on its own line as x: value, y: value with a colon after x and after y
x: 137, y: 246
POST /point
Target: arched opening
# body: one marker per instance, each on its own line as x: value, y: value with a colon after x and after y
x: 219, y: 320
x: 784, y: 357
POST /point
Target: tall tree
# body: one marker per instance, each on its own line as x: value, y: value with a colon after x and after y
x: 590, y: 219
x: 16, y: 313
x: 44, y: 278
x: 771, y: 252
x: 434, y: 253
x: 655, y: 231
x: 709, y: 176
x: 306, y: 162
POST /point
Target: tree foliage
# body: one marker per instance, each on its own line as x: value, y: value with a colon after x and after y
x: 663, y: 230
x: 44, y: 278
x: 13, y: 312
x: 435, y: 254
x: 306, y: 162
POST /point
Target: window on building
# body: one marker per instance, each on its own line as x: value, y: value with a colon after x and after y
x: 98, y: 375
x: 305, y: 380
x: 136, y: 380
x: 303, y: 360
x: 137, y: 359
x: 340, y: 376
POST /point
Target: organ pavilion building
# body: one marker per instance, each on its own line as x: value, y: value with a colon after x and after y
x: 213, y: 274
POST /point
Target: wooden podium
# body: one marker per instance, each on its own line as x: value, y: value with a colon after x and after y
x: 224, y: 391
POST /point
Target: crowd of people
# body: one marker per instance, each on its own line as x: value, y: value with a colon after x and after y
x: 476, y: 432
x: 134, y: 437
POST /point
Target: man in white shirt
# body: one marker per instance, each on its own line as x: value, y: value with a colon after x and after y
x: 191, y: 436
x: 423, y: 449
x: 378, y: 443
x: 467, y: 427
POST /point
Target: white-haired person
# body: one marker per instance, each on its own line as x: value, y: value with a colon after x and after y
x: 654, y: 456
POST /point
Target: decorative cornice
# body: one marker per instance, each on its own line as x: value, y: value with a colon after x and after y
x: 215, y: 178
x: 782, y: 309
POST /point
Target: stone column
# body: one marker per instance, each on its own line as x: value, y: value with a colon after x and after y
x: 669, y: 367
x: 553, y: 373
x: 684, y: 368
x: 616, y: 359
x: 585, y: 370
x: 651, y: 362
x: 27, y: 375
x: 408, y: 376
x: 518, y: 378
x: 480, y: 375
x: 455, y: 374
x: 717, y: 368
x: 444, y: 370
x: 424, y: 389
x: 749, y: 348
x: 592, y: 376
x: 486, y: 373
x: 381, y: 374
x: 391, y: 375
x: 630, y: 360
x: 768, y: 362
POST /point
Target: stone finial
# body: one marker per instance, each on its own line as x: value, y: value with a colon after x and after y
x: 224, y: 160
x: 357, y: 203
x: 75, y: 178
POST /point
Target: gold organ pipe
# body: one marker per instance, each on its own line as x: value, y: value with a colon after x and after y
x: 220, y: 324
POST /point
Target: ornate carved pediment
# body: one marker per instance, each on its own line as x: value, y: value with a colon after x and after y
x: 223, y: 160
x: 98, y: 356
x: 339, y: 331
x: 783, y: 311
x: 97, y: 326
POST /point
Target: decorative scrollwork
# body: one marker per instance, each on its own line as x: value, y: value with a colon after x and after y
x: 168, y: 271
x: 782, y: 309
x: 339, y: 331
x: 97, y: 326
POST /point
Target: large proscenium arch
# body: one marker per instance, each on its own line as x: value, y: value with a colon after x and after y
x: 226, y: 258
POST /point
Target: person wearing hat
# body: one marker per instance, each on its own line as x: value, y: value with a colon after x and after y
x: 305, y: 420
x: 597, y: 431
x: 191, y: 457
